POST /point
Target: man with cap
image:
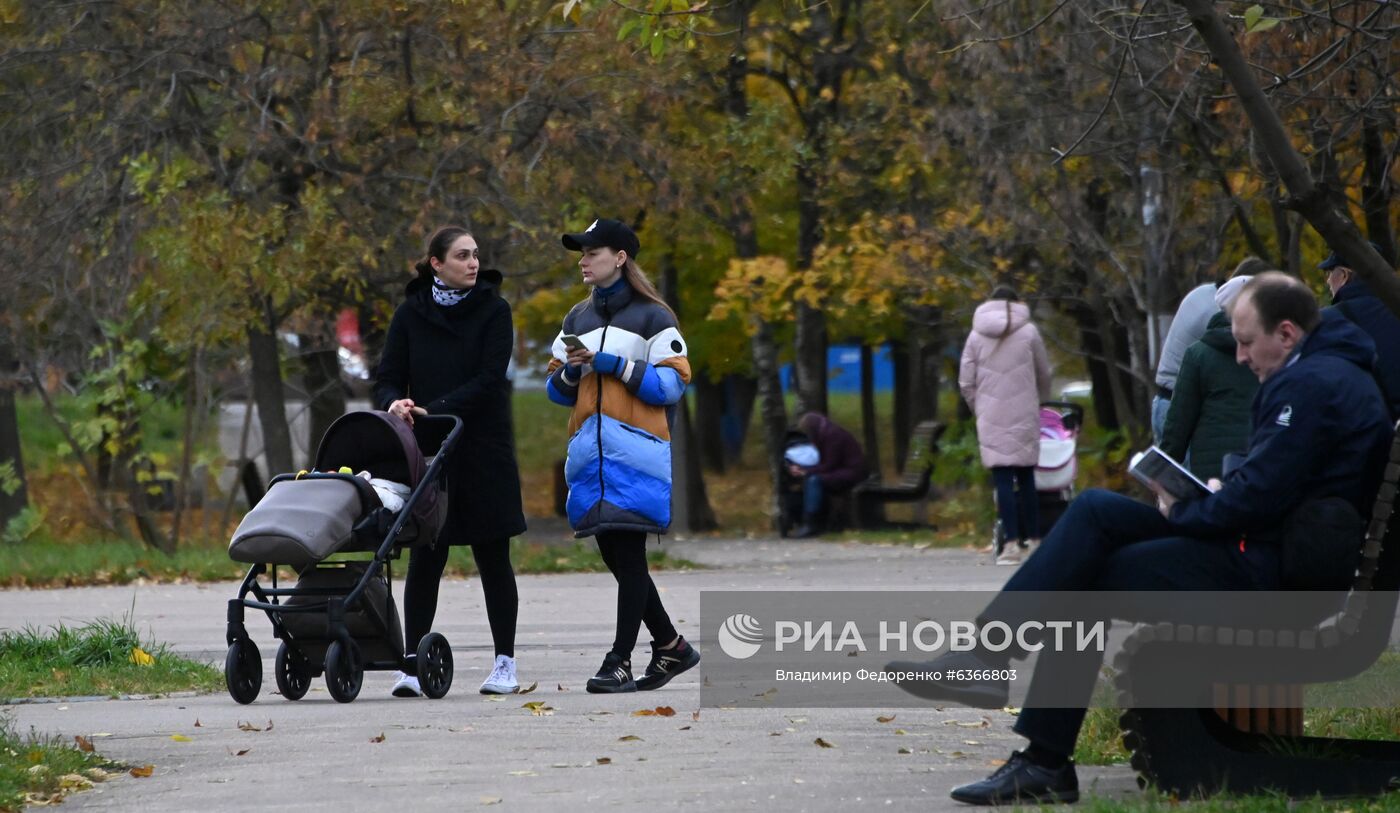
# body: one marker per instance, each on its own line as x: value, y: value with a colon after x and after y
x: 1353, y: 299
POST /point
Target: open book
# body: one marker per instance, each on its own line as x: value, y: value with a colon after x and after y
x: 1156, y: 466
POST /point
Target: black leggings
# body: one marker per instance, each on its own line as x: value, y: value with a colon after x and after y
x: 625, y: 554
x: 425, y: 566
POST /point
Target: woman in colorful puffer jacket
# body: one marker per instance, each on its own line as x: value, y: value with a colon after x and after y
x: 620, y: 363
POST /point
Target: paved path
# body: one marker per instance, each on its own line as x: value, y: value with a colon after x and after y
x: 466, y: 751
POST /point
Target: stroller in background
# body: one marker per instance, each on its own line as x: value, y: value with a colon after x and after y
x: 1055, y: 471
x: 340, y: 617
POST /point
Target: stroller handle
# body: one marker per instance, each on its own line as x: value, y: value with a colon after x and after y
x: 438, y: 423
x: 1070, y: 412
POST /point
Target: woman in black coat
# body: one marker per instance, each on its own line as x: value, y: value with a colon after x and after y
x: 446, y: 354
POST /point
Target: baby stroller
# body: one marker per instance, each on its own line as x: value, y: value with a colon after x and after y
x: 1056, y: 468
x: 340, y: 617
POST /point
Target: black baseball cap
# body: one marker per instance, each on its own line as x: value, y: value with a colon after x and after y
x: 1334, y: 259
x: 604, y: 232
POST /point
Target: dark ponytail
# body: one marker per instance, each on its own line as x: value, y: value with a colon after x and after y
x: 438, y: 245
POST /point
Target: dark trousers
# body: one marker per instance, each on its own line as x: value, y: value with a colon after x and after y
x: 1016, y: 501
x: 625, y: 554
x: 425, y: 567
x: 1107, y: 541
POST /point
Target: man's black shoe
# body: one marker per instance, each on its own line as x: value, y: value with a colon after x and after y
x: 613, y: 677
x: 958, y: 677
x: 666, y: 664
x: 1021, y: 780
x: 804, y: 532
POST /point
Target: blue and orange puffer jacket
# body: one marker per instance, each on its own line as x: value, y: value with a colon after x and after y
x: 619, y: 462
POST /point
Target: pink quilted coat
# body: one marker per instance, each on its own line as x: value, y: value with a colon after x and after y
x: 1004, y: 376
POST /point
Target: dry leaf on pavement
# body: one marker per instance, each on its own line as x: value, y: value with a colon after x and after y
x: 380, y: 738
x: 84, y: 744
x: 142, y: 771
x: 823, y: 743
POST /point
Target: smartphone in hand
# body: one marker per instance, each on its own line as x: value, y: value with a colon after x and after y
x: 573, y: 342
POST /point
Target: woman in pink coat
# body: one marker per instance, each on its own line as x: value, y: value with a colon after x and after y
x: 1004, y: 376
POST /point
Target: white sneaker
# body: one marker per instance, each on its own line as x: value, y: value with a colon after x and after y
x: 502, y: 678
x: 406, y: 685
x: 1010, y: 554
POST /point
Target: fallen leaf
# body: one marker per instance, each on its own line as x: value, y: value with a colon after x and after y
x: 74, y: 781
x: 197, y: 723
x: 889, y: 719
x: 695, y: 715
x: 35, y: 799
x: 997, y: 763
x: 539, y: 708
x: 269, y: 726
x: 143, y: 771
x: 775, y: 733
x: 905, y: 751
x: 971, y: 742
x: 523, y: 773
x: 241, y: 752
x: 242, y: 726
x: 98, y: 775
x: 604, y: 760
x: 380, y: 738
x: 84, y: 744
x: 821, y: 743
x: 533, y: 686
x: 684, y: 728
x: 900, y: 731
x: 659, y: 711
x: 561, y: 688
x: 982, y: 723
x: 629, y: 738
x: 180, y: 738
x: 490, y: 800
x: 141, y: 657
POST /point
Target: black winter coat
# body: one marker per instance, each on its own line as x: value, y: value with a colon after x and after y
x: 452, y: 361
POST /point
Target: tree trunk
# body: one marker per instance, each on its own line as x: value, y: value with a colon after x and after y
x: 709, y: 421
x: 695, y: 511
x: 321, y: 372
x: 268, y: 394
x: 1313, y: 201
x: 1375, y: 182
x: 868, y: 418
x: 810, y: 361
x: 742, y: 391
x: 773, y: 410
x: 900, y: 352
x: 11, y: 501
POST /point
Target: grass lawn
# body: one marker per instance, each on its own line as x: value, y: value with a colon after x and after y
x: 103, y: 657
x: 38, y: 770
x: 47, y: 563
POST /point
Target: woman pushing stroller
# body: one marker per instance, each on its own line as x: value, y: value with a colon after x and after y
x: 446, y: 353
x: 620, y: 363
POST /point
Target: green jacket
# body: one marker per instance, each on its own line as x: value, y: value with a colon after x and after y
x: 1210, y: 408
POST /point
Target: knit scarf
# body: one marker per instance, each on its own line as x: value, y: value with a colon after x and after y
x: 446, y: 296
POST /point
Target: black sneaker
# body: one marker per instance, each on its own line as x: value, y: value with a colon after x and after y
x: 615, y: 676
x: 1021, y: 780
x: 666, y: 664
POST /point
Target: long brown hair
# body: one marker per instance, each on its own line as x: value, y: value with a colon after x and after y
x: 641, y: 285
x: 438, y: 245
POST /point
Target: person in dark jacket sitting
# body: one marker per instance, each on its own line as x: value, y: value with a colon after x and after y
x: 1354, y: 300
x: 1209, y: 412
x: 1320, y: 430
x: 840, y: 467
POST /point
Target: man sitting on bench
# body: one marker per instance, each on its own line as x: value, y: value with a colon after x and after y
x: 840, y: 467
x: 1320, y: 429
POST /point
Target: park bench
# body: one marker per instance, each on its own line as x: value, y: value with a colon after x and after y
x: 1248, y: 736
x: 915, y: 482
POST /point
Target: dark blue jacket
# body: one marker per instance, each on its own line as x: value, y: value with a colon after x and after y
x: 1321, y: 429
x: 1357, y: 303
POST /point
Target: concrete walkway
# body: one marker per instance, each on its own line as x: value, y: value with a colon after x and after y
x: 467, y: 751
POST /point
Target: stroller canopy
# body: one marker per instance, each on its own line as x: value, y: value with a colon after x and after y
x: 381, y: 444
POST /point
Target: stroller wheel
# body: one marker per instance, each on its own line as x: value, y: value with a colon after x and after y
x: 243, y: 670
x: 434, y: 665
x: 344, y: 674
x: 293, y: 672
